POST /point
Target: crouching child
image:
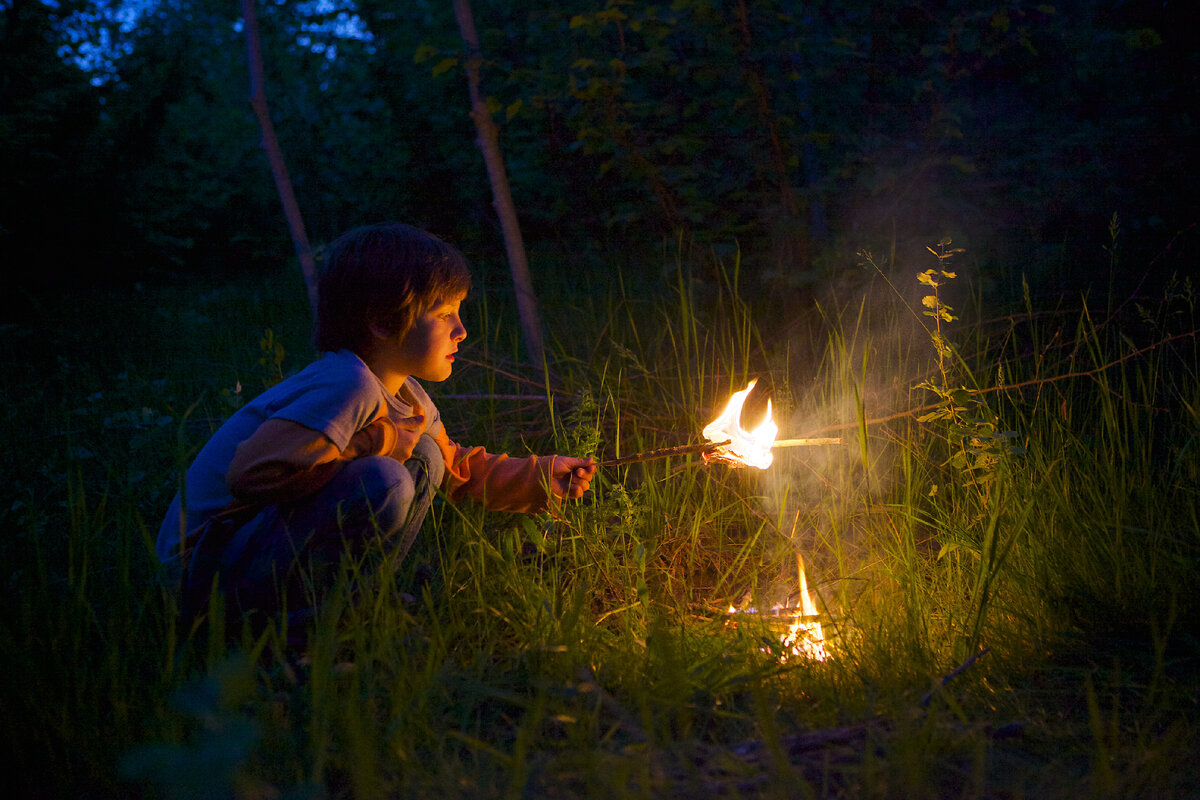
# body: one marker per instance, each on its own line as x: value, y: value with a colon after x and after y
x: 350, y: 450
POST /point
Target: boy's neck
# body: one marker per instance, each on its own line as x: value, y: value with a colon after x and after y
x: 392, y: 381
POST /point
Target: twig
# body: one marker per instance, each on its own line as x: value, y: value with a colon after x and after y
x: 530, y: 398
x: 806, y: 442
x: 1088, y: 373
x: 706, y: 447
x: 960, y: 669
x: 513, y: 376
x: 665, y: 452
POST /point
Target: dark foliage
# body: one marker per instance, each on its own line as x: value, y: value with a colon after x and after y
x: 799, y: 133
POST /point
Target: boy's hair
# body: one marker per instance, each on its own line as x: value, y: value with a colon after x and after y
x: 385, y: 274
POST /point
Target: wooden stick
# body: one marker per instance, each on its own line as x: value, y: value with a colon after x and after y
x: 708, y: 447
x: 665, y: 452
x: 960, y: 669
x: 807, y: 442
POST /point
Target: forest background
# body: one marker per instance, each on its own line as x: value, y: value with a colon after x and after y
x: 797, y: 132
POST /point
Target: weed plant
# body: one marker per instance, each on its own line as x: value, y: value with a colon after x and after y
x: 1003, y: 550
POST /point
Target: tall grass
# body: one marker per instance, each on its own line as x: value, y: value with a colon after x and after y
x: 1022, y: 629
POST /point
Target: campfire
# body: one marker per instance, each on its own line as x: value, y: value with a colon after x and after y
x: 731, y: 444
x: 805, y: 636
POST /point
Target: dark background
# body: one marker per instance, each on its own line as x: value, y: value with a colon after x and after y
x: 794, y: 133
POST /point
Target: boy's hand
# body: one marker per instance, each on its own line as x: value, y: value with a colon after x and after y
x: 571, y: 477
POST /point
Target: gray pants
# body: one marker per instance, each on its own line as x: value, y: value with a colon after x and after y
x: 288, y: 556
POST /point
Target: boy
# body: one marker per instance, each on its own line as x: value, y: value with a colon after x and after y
x: 351, y: 447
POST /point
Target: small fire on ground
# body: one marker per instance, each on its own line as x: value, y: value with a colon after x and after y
x: 805, y: 636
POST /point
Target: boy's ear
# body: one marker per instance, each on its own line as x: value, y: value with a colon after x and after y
x: 380, y: 327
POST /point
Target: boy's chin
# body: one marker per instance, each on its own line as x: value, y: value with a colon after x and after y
x: 435, y: 377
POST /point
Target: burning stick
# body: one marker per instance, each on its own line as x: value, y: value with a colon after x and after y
x: 708, y: 449
x: 730, y: 443
x: 744, y: 448
x: 665, y: 452
x: 749, y: 448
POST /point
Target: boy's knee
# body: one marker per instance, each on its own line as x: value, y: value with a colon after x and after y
x: 381, y: 494
x: 434, y: 464
x: 387, y: 487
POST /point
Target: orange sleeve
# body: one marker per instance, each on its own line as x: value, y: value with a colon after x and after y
x: 284, y: 460
x: 499, y: 482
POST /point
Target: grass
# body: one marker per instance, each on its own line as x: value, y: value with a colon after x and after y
x: 1016, y: 622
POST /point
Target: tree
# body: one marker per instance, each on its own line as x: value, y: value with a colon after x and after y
x: 283, y: 183
x: 489, y: 144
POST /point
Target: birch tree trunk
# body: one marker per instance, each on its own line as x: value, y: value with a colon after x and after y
x: 489, y: 144
x: 283, y: 183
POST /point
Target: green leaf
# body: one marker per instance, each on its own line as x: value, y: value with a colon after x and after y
x: 513, y: 109
x: 643, y: 592
x: 444, y: 65
x: 533, y: 533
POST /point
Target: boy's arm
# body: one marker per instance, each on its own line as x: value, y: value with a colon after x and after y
x: 284, y: 460
x: 503, y: 483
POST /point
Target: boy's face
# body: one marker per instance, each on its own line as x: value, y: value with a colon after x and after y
x: 427, y: 350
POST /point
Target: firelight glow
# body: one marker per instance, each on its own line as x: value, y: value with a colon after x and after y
x: 752, y: 448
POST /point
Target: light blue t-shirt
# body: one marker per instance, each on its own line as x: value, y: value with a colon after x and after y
x: 337, y: 395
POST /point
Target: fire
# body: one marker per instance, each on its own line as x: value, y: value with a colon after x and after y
x: 805, y: 636
x: 751, y: 448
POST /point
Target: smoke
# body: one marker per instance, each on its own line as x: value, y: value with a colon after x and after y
x: 864, y: 357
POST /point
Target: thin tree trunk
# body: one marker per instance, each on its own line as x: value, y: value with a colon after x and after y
x: 283, y: 183
x: 489, y: 144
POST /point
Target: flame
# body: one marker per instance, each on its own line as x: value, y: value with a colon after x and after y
x: 751, y: 448
x: 805, y: 636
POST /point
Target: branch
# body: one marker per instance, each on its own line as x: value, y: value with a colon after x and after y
x: 1088, y: 373
x: 489, y: 146
x: 270, y: 143
x: 665, y: 452
x: 960, y: 669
